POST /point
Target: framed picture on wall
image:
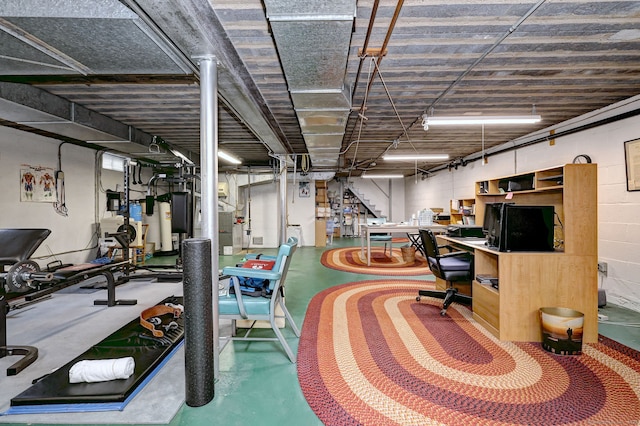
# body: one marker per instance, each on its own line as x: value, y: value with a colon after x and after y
x: 632, y: 161
x: 304, y: 189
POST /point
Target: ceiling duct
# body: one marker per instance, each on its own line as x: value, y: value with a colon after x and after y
x: 313, y: 43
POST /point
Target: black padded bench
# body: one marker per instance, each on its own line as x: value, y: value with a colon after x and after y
x: 19, y: 275
x: 133, y: 340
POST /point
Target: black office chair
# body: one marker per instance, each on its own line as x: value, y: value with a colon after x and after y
x: 454, y: 266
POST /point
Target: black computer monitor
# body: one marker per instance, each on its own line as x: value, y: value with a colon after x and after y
x: 492, y: 223
x: 526, y: 228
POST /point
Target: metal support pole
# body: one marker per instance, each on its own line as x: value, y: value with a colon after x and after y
x: 283, y: 199
x: 390, y: 216
x: 127, y: 212
x: 209, y: 178
x: 4, y: 310
x: 198, y: 322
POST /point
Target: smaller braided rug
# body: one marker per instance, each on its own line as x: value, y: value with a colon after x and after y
x: 398, y: 240
x: 350, y: 259
x: 370, y: 354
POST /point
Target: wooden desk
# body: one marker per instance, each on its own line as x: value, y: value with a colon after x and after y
x: 529, y: 281
x: 388, y: 228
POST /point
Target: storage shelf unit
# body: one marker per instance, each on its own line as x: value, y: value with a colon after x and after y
x: 351, y: 208
x: 463, y: 211
x: 334, y: 213
x: 529, y: 281
x: 323, y: 212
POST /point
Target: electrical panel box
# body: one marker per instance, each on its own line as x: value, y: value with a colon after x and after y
x: 223, y: 189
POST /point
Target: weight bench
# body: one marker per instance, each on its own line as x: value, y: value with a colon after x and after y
x: 24, y: 275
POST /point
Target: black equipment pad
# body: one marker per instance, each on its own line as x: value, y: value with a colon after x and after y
x: 131, y: 340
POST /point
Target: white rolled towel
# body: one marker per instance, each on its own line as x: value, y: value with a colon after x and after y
x: 101, y: 370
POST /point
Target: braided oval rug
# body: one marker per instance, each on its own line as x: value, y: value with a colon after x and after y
x: 350, y: 259
x: 370, y: 354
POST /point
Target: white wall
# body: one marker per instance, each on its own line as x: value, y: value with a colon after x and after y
x: 72, y: 239
x: 264, y: 205
x: 618, y: 209
x: 302, y: 211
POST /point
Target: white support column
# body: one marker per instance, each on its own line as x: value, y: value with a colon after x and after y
x: 209, y: 180
x: 283, y: 199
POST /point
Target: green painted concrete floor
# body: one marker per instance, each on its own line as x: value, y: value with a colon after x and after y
x: 257, y: 384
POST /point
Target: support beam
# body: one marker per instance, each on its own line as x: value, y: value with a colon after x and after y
x: 209, y: 179
x: 283, y: 199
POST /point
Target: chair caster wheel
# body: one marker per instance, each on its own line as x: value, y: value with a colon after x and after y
x: 443, y: 313
x: 417, y: 298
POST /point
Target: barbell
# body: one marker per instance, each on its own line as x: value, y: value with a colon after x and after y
x: 21, y: 276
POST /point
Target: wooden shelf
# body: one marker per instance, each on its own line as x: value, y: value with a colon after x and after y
x: 461, y: 209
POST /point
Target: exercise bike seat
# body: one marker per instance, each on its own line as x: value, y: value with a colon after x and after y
x: 17, y: 245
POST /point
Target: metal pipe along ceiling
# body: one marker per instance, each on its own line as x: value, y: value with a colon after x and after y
x: 313, y: 39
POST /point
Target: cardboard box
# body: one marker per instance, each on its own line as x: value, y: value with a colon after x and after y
x: 321, y: 233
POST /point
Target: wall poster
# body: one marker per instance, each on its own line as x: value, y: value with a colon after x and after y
x: 632, y: 160
x: 37, y: 184
x: 304, y: 189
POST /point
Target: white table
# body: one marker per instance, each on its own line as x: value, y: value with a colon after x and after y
x: 391, y: 228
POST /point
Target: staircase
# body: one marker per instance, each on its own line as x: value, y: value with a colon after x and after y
x: 371, y: 208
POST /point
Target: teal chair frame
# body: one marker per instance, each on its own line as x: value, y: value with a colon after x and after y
x: 240, y: 307
x: 380, y: 237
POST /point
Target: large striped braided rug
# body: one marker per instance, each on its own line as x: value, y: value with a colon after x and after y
x: 391, y: 262
x: 371, y: 355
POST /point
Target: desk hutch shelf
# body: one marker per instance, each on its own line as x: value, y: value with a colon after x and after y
x: 463, y: 212
x: 528, y: 281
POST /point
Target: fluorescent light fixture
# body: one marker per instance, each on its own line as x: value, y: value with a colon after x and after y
x: 181, y: 156
x: 389, y: 176
x: 479, y: 119
x: 417, y: 157
x: 228, y: 158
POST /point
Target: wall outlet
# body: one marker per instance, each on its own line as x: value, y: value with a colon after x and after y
x: 603, y: 268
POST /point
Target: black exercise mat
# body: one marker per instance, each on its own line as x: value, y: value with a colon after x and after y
x: 131, y: 340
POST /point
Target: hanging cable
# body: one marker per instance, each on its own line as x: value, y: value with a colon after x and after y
x: 59, y: 205
x: 386, y: 89
x: 249, y: 208
x: 293, y: 193
x: 383, y: 48
x: 362, y: 119
x: 304, y: 164
x: 484, y: 160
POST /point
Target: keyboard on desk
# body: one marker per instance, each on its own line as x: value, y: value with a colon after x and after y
x: 474, y: 241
